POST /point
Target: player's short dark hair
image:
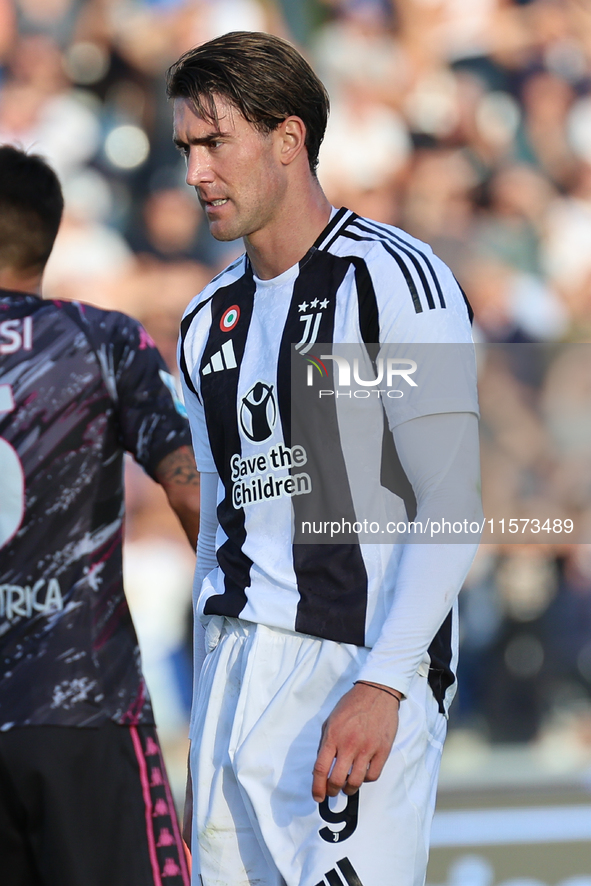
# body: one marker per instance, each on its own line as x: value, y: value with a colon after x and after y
x: 263, y: 76
x: 31, y: 206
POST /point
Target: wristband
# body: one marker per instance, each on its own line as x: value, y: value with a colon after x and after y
x: 381, y: 688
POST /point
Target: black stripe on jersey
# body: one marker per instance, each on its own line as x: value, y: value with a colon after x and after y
x: 413, y: 259
x: 333, y: 878
x: 369, y: 320
x: 219, y: 391
x: 392, y: 474
x: 400, y: 262
x: 185, y: 324
x: 331, y: 579
x: 320, y: 242
x: 376, y: 227
x: 468, y: 305
x: 441, y: 676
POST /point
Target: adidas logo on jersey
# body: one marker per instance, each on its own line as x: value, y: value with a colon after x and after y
x: 222, y: 359
x: 349, y: 875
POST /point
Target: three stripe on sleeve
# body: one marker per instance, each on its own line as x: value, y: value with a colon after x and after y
x: 416, y: 268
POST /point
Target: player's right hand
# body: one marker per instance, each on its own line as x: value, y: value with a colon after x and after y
x: 356, y: 740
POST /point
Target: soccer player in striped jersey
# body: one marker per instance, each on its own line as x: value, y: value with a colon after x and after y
x: 330, y: 667
x: 84, y: 796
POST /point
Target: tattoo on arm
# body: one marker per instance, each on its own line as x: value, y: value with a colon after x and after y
x: 178, y: 468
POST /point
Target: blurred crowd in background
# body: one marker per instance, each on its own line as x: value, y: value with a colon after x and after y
x: 465, y: 122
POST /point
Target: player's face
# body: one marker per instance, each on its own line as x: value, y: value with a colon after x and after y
x: 234, y: 169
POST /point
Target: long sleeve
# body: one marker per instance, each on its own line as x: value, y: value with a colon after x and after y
x: 439, y: 454
x: 206, y: 561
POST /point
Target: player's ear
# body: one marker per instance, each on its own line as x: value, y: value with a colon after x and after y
x: 292, y: 139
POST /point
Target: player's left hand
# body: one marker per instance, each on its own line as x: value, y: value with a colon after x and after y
x: 357, y: 736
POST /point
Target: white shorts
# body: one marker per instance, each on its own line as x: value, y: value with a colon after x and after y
x: 263, y: 696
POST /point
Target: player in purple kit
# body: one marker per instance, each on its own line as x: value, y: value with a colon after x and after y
x: 84, y: 797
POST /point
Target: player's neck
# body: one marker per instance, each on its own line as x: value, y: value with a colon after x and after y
x: 20, y: 282
x: 302, y: 216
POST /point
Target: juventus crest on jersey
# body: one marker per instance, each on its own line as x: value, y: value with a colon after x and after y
x: 361, y: 282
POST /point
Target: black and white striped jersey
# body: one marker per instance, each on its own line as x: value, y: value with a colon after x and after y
x: 361, y: 282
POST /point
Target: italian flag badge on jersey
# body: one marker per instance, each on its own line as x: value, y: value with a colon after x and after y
x: 230, y: 318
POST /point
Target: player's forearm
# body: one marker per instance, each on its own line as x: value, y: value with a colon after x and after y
x: 206, y: 553
x: 206, y: 561
x: 430, y: 579
x: 178, y: 476
x: 440, y: 456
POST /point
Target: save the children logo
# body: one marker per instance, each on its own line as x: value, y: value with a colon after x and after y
x: 263, y: 477
x: 258, y: 412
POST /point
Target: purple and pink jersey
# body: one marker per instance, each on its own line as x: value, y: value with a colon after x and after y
x: 79, y: 387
